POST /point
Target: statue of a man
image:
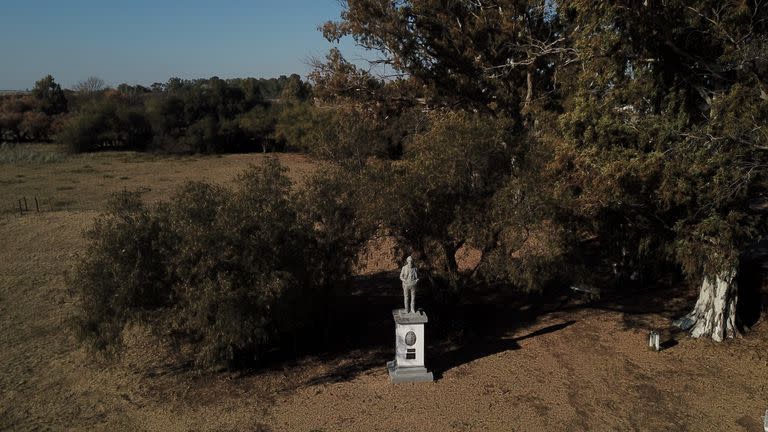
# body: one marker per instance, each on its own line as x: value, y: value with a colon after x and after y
x: 410, y: 277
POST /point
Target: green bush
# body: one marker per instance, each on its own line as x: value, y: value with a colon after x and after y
x: 81, y: 133
x: 106, y: 124
x: 125, y: 272
x: 22, y: 119
x: 232, y: 271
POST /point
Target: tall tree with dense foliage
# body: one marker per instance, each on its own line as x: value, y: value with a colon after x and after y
x: 670, y: 99
x: 635, y: 130
x: 50, y: 96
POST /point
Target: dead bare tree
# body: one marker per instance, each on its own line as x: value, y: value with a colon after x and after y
x: 89, y: 85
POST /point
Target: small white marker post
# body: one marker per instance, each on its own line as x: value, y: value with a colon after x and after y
x: 765, y: 421
x: 653, y: 341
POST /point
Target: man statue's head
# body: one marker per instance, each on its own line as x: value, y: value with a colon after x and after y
x: 409, y: 260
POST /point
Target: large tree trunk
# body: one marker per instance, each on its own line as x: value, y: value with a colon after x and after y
x: 715, y: 312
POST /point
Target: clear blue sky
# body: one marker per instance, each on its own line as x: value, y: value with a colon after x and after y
x: 143, y: 41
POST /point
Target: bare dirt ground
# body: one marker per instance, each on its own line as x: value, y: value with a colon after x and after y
x: 569, y: 366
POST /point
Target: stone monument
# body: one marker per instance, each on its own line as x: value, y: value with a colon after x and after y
x: 409, y: 365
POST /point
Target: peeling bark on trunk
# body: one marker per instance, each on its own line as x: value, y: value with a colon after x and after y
x: 715, y: 312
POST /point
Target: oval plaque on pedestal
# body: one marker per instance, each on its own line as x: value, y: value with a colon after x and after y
x: 410, y: 338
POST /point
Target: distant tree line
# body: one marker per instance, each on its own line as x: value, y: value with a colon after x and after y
x: 199, y: 116
x: 203, y: 115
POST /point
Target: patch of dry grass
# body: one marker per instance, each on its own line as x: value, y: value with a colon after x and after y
x: 84, y: 182
x: 31, y: 153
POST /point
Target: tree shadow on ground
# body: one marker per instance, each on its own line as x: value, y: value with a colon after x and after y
x: 644, y: 308
x: 362, y: 332
x: 546, y: 330
x: 360, y: 337
x: 346, y: 369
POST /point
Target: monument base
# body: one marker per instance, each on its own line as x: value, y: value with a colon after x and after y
x: 405, y: 374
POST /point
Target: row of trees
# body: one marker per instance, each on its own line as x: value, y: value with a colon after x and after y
x: 205, y: 115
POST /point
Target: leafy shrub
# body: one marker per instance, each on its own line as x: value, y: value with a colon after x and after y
x: 21, y: 119
x: 36, y: 126
x: 296, y: 123
x: 81, y: 133
x: 335, y: 133
x: 232, y: 271
x: 10, y: 123
x: 106, y: 123
x: 124, y: 273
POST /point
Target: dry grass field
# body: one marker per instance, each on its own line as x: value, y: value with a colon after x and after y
x: 84, y: 182
x: 570, y: 367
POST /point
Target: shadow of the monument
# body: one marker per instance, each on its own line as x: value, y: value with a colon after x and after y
x: 475, y: 348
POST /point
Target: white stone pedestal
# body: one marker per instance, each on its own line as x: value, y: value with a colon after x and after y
x: 408, y: 365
